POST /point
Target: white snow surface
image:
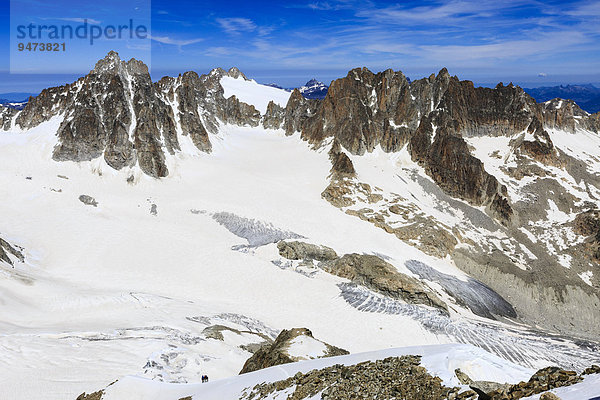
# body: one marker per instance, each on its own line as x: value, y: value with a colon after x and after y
x: 107, y: 290
x: 250, y: 92
x: 304, y: 347
x: 588, y: 389
x: 440, y: 360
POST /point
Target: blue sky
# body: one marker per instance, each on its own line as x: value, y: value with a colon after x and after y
x: 531, y: 43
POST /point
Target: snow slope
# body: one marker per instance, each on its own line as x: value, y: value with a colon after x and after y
x: 253, y: 93
x: 106, y: 289
x: 440, y: 360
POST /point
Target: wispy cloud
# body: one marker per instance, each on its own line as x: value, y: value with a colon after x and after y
x: 526, y: 36
x: 455, y: 12
x: 543, y: 45
x: 585, y: 9
x: 236, y: 26
x: 333, y: 5
x: 80, y: 20
x: 176, y: 42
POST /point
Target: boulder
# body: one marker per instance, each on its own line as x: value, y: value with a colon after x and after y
x: 305, y: 251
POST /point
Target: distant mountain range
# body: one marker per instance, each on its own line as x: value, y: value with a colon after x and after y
x: 15, y: 96
x: 15, y: 99
x: 586, y: 96
x: 312, y: 89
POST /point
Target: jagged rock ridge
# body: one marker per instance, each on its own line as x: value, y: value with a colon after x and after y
x: 117, y: 112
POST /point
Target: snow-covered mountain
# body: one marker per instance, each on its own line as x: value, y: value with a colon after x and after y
x: 314, y: 89
x: 166, y: 230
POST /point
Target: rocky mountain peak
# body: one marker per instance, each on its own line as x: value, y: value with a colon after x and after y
x: 112, y: 63
x: 235, y: 73
x: 118, y: 113
x: 443, y: 74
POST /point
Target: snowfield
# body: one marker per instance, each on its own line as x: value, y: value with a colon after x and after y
x: 254, y: 93
x: 106, y: 289
x: 134, y: 286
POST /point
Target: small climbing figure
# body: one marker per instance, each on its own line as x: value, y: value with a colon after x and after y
x: 204, y: 378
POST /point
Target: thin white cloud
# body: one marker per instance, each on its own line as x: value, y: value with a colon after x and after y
x: 585, y: 9
x: 175, y: 42
x: 81, y: 20
x: 336, y: 5
x: 236, y: 26
x: 464, y: 35
x: 454, y: 12
x: 219, y: 51
x: 543, y: 45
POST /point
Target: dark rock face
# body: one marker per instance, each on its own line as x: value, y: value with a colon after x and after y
x: 341, y: 165
x: 297, y: 111
x: 564, y: 114
x: 504, y: 110
x: 117, y: 112
x: 184, y: 92
x: 588, y: 224
x: 449, y: 162
x: 364, y: 110
x: 594, y: 369
x: 433, y: 115
x: 7, y: 251
x: 46, y: 105
x: 274, y: 116
x: 236, y: 73
x: 276, y: 353
x: 6, y: 116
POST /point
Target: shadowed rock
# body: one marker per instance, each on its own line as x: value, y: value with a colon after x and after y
x: 7, y: 251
